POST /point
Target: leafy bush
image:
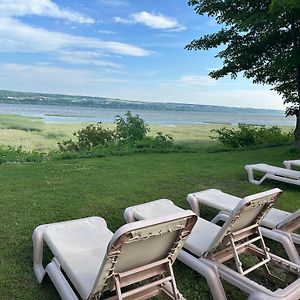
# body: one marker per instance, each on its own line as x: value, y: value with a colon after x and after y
x: 130, y: 136
x: 252, y: 135
x: 131, y: 128
x: 162, y: 141
x: 10, y: 154
x: 87, y: 138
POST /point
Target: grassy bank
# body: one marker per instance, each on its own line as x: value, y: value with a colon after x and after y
x: 37, y: 193
x: 34, y: 134
x: 46, y: 135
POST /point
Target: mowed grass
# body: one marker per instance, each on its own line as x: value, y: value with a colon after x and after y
x: 38, y: 193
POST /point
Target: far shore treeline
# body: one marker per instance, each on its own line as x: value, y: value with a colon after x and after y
x: 14, y: 97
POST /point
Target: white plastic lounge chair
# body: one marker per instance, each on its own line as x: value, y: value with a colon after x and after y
x: 96, y: 261
x: 289, y: 163
x: 209, y: 246
x: 271, y: 172
x: 279, y: 224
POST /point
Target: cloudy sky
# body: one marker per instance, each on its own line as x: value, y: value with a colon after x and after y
x: 129, y: 49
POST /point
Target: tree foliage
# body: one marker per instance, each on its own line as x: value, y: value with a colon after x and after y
x: 260, y: 38
x: 130, y: 128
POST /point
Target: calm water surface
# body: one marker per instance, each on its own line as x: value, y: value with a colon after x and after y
x: 62, y: 114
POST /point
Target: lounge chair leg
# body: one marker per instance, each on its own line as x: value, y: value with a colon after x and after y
x: 37, y: 239
x: 60, y: 282
x: 169, y: 288
x: 251, y: 176
x: 285, y: 240
x: 206, y: 270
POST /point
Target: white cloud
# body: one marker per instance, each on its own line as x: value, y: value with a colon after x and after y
x: 16, y: 36
x: 196, y: 80
x: 155, y: 21
x: 85, y: 58
x: 114, y: 3
x: 18, y: 8
x: 123, y: 21
x: 54, y: 79
x: 106, y: 31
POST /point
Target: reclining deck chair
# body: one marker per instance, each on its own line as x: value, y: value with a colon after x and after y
x: 210, y: 246
x: 289, y: 163
x: 95, y: 260
x: 271, y: 172
x: 279, y: 225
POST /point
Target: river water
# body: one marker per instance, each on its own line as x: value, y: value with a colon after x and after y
x: 71, y: 114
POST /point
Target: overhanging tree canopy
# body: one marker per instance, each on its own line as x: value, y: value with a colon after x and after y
x: 262, y: 40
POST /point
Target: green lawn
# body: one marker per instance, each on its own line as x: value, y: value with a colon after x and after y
x: 38, y: 193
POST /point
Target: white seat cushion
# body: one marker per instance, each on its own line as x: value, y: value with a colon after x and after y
x: 274, y: 217
x: 202, y: 234
x: 217, y: 199
x: 79, y: 246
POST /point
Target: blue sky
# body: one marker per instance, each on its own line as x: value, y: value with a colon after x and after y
x: 128, y: 49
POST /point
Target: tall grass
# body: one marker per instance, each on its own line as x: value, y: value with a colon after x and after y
x: 33, y: 134
x: 22, y: 123
x: 50, y: 133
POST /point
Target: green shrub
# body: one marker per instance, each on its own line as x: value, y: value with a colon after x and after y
x: 130, y: 136
x: 131, y: 128
x: 160, y: 141
x: 252, y: 135
x: 87, y: 138
x: 163, y: 141
x: 10, y: 154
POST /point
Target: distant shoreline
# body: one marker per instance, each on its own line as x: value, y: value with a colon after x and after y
x: 24, y: 98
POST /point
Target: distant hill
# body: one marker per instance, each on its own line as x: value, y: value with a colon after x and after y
x: 14, y: 97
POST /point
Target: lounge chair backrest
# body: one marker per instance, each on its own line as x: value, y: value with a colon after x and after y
x: 141, y: 243
x: 250, y: 211
x: 290, y: 219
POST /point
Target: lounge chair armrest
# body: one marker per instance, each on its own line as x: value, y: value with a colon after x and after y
x: 194, y: 204
x: 129, y: 215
